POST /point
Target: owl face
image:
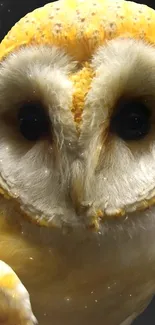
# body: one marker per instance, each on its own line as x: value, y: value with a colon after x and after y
x: 76, y: 107
x: 78, y: 156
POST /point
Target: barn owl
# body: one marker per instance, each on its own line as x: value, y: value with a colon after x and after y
x: 77, y: 155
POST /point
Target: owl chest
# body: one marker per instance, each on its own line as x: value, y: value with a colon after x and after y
x: 73, y: 279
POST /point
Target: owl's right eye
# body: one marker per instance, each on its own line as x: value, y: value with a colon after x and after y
x: 33, y: 121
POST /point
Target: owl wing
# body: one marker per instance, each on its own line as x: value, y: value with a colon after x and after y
x: 15, y: 306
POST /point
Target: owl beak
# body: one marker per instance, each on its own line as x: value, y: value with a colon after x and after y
x: 77, y: 185
x: 76, y: 196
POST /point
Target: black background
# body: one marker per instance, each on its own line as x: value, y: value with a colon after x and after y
x: 10, y: 12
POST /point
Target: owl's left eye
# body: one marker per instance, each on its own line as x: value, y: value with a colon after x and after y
x: 33, y: 121
x: 132, y: 120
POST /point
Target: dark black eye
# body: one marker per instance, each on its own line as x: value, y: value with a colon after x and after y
x: 33, y: 121
x: 132, y: 120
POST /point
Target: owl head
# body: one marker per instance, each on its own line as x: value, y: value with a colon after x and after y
x: 77, y: 113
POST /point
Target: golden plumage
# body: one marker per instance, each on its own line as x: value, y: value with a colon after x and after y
x: 80, y: 26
